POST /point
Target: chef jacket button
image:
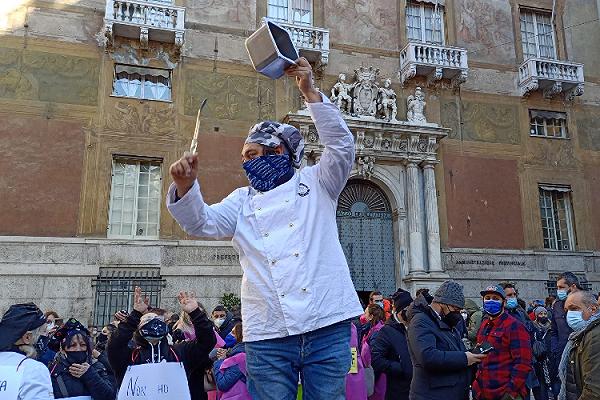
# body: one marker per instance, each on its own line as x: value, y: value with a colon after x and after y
x: 304, y: 289
x: 273, y: 262
x: 287, y: 201
x: 266, y: 234
x: 259, y: 208
x: 296, y: 254
x: 283, y: 295
x: 291, y: 225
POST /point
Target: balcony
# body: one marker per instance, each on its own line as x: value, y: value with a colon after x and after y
x: 434, y: 62
x: 146, y: 20
x: 312, y: 42
x: 552, y: 77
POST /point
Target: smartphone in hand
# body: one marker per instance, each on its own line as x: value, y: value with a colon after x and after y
x: 482, y: 348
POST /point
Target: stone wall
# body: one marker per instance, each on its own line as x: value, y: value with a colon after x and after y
x: 58, y: 273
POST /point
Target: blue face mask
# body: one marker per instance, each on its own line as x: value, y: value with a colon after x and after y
x: 575, y: 320
x: 267, y: 172
x: 492, y: 307
x: 512, y: 303
x: 562, y: 294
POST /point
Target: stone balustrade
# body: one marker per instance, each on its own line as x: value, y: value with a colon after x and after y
x: 313, y: 41
x: 552, y: 77
x: 433, y: 61
x: 145, y: 20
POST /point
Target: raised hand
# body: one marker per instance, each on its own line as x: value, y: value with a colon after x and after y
x: 187, y: 301
x: 184, y: 172
x: 140, y: 303
x: 302, y: 71
x: 77, y: 370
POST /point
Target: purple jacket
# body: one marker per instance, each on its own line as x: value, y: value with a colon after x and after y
x: 380, y: 381
x: 239, y: 390
x: 355, y: 383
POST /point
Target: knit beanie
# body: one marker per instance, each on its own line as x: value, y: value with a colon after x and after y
x: 451, y: 293
x: 538, y: 310
x: 402, y: 299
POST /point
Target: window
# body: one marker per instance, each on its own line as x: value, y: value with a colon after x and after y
x: 114, y: 291
x: 297, y: 12
x: 424, y: 23
x: 142, y: 83
x: 537, y: 34
x: 134, y: 199
x: 548, y: 124
x: 557, y: 219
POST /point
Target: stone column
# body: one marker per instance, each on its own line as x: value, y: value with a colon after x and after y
x: 434, y: 255
x: 414, y: 211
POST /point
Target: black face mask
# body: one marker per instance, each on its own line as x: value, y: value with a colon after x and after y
x: 543, y: 320
x: 154, y: 330
x: 77, y: 357
x: 453, y: 318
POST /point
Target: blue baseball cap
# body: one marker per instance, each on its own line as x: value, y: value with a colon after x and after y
x: 496, y: 289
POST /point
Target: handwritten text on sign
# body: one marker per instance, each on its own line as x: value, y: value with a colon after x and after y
x: 10, y: 381
x: 160, y: 381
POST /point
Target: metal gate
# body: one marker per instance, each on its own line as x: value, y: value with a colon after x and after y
x: 365, y: 226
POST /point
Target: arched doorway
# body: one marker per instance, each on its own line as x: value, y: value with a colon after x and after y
x: 365, y: 226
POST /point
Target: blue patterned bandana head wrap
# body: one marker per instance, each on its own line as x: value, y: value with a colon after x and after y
x: 272, y: 134
x: 268, y: 172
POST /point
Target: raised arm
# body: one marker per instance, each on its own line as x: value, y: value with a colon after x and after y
x: 338, y: 157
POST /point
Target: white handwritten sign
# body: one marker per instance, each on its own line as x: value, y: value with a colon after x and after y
x: 10, y: 382
x: 159, y: 381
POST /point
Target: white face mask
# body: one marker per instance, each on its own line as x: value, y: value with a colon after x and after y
x: 219, y: 322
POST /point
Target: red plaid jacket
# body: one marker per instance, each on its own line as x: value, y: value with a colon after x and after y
x: 505, y: 369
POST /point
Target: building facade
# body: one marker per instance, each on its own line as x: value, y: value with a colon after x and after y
x: 479, y: 159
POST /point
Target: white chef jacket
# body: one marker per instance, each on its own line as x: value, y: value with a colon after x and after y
x: 35, y: 382
x: 295, y: 276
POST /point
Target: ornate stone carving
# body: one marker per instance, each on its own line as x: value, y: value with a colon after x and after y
x: 460, y: 78
x: 432, y: 145
x: 144, y: 38
x: 369, y: 141
x: 576, y: 91
x: 366, y: 166
x: 340, y: 94
x: 313, y: 135
x: 553, y: 90
x: 531, y: 86
x: 387, y: 101
x: 360, y: 138
x: 365, y: 97
x: 416, y: 107
x: 435, y: 76
x: 145, y: 120
x: 378, y: 139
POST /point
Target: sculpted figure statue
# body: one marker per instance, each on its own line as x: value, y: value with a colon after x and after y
x: 340, y: 94
x: 416, y: 107
x: 387, y: 101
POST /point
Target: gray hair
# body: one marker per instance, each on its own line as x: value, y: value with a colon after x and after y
x: 588, y: 299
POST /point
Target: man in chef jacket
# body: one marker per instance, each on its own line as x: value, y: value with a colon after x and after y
x: 297, y: 295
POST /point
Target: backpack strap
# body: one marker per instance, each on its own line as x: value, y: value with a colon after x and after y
x: 174, y: 353
x: 61, y: 386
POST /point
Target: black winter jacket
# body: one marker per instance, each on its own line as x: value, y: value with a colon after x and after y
x: 389, y: 353
x: 560, y: 331
x: 440, y: 368
x: 97, y: 382
x: 193, y: 354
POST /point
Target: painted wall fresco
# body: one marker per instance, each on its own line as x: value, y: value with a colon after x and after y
x: 362, y: 22
x: 34, y: 75
x: 225, y: 13
x: 485, y: 28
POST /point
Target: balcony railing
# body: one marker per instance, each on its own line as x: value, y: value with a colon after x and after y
x: 146, y: 20
x: 433, y: 61
x: 552, y: 77
x: 312, y: 41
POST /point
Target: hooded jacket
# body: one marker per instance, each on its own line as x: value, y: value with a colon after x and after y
x: 389, y: 351
x: 193, y: 354
x: 440, y: 367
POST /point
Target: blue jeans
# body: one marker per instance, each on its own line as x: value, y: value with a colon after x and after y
x: 321, y: 358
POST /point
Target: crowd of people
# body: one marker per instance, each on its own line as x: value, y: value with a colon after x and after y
x: 436, y: 346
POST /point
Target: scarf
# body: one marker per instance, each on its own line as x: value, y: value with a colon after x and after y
x: 564, y: 360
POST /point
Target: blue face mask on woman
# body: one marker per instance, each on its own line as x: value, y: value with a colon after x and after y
x: 492, y: 307
x: 267, y: 172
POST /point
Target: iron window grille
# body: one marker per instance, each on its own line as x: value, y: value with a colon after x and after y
x: 114, y: 291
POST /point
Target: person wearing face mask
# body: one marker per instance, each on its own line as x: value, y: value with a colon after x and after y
x: 566, y: 283
x: 74, y: 373
x: 149, y: 333
x: 99, y: 352
x: 376, y: 318
x: 541, y: 353
x: 224, y: 321
x: 24, y: 378
x: 579, y: 368
x: 296, y: 293
x: 441, y: 364
x: 503, y: 374
x: 389, y: 350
